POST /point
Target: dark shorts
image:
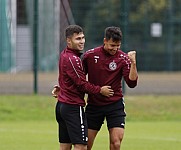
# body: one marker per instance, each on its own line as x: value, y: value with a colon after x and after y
x: 114, y: 114
x: 72, y: 124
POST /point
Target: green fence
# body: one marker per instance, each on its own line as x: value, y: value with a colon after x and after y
x: 152, y: 27
x: 158, y: 45
x: 6, y: 60
x: 48, y: 32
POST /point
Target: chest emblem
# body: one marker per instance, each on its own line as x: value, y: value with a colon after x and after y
x: 96, y: 59
x: 112, y: 65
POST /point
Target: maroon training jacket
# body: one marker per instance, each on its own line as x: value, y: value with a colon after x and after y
x: 105, y: 69
x: 72, y: 79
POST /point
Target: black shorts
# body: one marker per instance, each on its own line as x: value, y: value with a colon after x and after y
x: 114, y: 114
x: 72, y: 124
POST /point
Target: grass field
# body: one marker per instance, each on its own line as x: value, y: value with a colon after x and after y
x: 153, y: 123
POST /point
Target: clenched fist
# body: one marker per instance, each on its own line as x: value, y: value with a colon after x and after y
x: 55, y: 91
x: 132, y: 56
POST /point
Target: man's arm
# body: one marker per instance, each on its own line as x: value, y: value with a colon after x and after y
x: 105, y: 90
x: 133, y: 75
x: 77, y: 75
x: 130, y: 71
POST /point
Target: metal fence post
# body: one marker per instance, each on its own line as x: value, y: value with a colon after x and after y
x: 170, y: 36
x: 35, y: 46
x: 124, y: 23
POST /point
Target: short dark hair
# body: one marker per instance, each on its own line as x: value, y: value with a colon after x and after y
x: 71, y: 29
x: 113, y: 33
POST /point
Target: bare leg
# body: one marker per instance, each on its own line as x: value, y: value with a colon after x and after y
x: 65, y: 146
x: 80, y: 147
x: 116, y: 137
x: 91, y: 137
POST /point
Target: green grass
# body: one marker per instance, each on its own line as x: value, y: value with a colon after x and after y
x: 160, y: 135
x: 27, y: 107
x: 28, y: 122
x: 150, y: 107
x: 42, y: 135
x: 28, y: 135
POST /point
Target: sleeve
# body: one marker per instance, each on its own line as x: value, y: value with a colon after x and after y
x: 84, y: 63
x: 126, y: 71
x: 78, y: 76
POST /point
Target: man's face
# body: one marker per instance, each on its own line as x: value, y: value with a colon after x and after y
x: 111, y: 46
x: 77, y: 41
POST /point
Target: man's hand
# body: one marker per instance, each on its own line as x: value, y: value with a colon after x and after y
x: 133, y: 75
x: 106, y: 91
x: 132, y: 56
x: 55, y: 91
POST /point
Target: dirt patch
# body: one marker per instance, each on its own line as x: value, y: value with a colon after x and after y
x: 157, y: 83
x: 148, y: 83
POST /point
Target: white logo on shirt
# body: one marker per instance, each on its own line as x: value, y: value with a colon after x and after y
x: 112, y: 65
x: 96, y: 58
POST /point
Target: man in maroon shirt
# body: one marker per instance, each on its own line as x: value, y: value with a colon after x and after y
x: 73, y: 85
x: 107, y: 65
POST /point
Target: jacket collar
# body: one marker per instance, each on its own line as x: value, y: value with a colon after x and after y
x: 74, y: 51
x: 104, y: 51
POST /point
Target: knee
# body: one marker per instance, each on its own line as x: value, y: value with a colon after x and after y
x: 116, y: 144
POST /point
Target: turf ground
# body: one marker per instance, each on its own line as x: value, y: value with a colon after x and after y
x: 42, y: 135
x: 153, y: 123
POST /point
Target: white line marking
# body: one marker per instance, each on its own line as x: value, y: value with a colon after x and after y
x: 155, y: 138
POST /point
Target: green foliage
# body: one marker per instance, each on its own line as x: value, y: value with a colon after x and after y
x: 135, y: 19
x: 101, y: 15
x: 152, y: 8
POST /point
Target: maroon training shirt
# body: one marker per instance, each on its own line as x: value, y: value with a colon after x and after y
x: 105, y: 69
x: 72, y: 79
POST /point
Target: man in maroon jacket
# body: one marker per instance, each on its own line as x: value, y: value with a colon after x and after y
x: 107, y: 65
x: 73, y: 85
